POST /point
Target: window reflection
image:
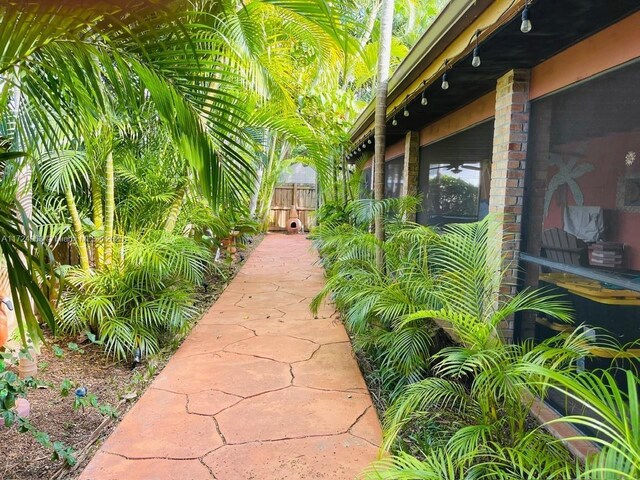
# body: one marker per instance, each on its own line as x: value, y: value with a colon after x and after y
x: 454, y: 191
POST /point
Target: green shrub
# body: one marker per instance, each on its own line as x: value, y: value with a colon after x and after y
x: 145, y: 295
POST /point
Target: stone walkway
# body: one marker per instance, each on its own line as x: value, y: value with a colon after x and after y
x: 260, y: 389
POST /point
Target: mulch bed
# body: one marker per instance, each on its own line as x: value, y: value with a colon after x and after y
x: 116, y: 384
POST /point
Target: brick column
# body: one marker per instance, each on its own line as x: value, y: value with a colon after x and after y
x: 410, y: 170
x: 508, y: 172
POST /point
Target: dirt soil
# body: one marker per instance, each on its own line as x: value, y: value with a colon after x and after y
x: 115, y: 384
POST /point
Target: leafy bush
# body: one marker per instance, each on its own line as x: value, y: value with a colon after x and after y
x: 474, y: 397
x: 374, y: 301
x: 331, y: 212
x: 144, y: 295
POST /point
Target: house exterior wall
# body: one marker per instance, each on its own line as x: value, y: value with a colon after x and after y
x: 476, y: 112
x: 509, y: 104
x: 394, y: 151
x: 613, y: 46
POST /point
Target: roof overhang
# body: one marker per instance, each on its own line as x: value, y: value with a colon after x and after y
x: 556, y: 26
x: 451, y: 22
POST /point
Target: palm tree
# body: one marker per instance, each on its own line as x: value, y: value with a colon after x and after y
x: 384, y: 56
x: 71, y: 64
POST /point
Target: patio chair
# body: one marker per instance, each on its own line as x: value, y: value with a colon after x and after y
x: 562, y: 247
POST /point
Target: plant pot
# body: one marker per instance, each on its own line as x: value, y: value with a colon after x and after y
x: 27, y: 367
x: 22, y: 409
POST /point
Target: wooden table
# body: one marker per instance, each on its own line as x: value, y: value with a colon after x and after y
x: 592, y: 289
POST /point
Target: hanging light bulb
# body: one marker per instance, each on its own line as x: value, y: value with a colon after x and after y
x: 369, y: 141
x: 423, y: 99
x: 445, y: 81
x: 476, y: 58
x: 364, y: 145
x: 394, y: 122
x: 475, y: 62
x: 526, y: 26
x: 406, y: 112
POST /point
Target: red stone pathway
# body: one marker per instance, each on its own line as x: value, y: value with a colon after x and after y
x: 260, y: 390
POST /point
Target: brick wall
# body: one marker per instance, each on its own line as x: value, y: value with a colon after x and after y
x: 508, y: 172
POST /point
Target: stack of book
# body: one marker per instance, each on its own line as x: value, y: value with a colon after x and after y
x: 606, y: 254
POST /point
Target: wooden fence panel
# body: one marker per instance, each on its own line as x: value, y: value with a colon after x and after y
x: 302, y: 195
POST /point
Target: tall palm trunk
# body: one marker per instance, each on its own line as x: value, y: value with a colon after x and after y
x: 345, y: 188
x: 174, y: 211
x: 96, y: 201
x: 109, y: 209
x: 384, y: 58
x: 76, y: 222
x: 257, y: 184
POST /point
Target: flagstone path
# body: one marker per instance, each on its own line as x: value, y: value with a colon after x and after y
x: 260, y: 390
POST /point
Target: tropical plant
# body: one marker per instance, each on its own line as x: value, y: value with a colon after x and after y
x: 146, y: 293
x: 479, y: 392
x: 528, y: 460
x: 611, y: 410
x: 373, y: 301
x: 488, y: 384
x: 68, y: 72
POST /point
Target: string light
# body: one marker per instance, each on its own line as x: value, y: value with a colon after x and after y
x: 475, y: 62
x: 406, y: 112
x: 445, y: 81
x: 369, y: 141
x: 394, y: 122
x: 526, y: 26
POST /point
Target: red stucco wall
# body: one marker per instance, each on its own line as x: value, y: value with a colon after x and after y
x: 600, y: 186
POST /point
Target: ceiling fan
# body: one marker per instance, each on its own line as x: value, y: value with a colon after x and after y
x: 458, y: 168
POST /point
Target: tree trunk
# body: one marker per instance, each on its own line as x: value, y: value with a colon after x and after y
x: 253, y: 204
x: 336, y: 164
x: 174, y: 211
x: 345, y: 187
x: 96, y: 202
x: 371, y: 21
x: 109, y: 209
x: 384, y: 58
x: 81, y: 241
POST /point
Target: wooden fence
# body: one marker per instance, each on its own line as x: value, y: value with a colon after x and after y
x: 302, y: 195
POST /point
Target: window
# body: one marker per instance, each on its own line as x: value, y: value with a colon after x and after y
x: 453, y: 190
x: 455, y: 176
x: 581, y: 231
x: 393, y: 171
x: 393, y: 174
x: 366, y: 183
